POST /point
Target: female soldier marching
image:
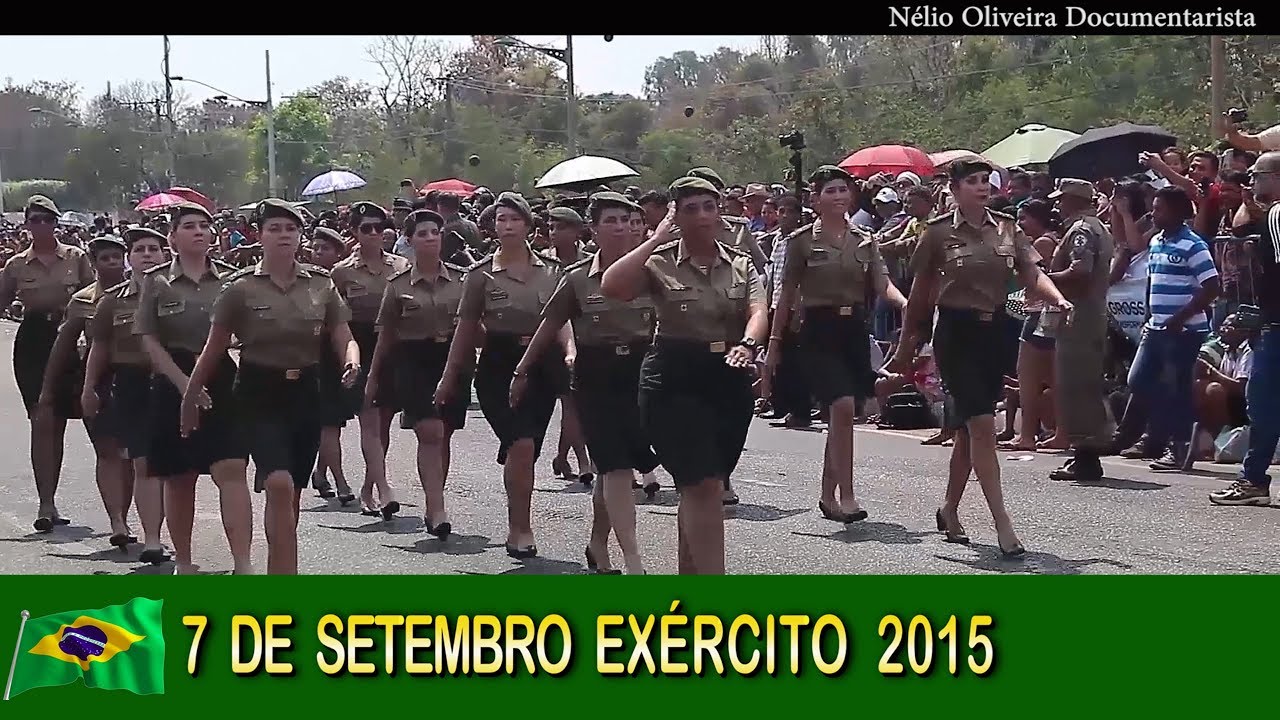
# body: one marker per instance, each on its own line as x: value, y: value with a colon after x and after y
x: 834, y: 270
x: 611, y: 339
x: 279, y: 309
x: 963, y: 265
x: 118, y: 383
x: 506, y: 293
x: 566, y: 248
x: 173, y: 321
x: 43, y: 277
x: 695, y: 381
x: 415, y: 327
x: 361, y: 279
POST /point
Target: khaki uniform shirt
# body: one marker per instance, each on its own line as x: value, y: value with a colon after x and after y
x: 598, y: 320
x: 509, y: 302
x: 711, y: 306
x: 1088, y: 241
x: 737, y: 235
x: 114, y: 322
x: 46, y: 288
x: 177, y: 308
x: 974, y: 264
x: 1081, y: 344
x: 422, y: 306
x: 281, y: 328
x: 362, y: 285
x: 838, y: 274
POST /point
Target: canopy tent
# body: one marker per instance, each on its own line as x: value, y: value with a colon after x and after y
x: 1031, y: 144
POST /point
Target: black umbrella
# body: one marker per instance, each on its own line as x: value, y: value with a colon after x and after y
x: 1108, y: 152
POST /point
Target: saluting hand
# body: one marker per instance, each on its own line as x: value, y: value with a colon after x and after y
x: 662, y: 233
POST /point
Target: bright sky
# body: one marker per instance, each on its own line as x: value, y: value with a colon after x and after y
x: 235, y: 63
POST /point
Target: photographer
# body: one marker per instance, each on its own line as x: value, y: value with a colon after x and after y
x: 1265, y: 141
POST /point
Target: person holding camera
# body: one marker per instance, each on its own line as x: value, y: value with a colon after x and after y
x: 1264, y: 141
x: 1262, y: 394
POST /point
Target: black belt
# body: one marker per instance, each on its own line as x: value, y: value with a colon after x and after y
x: 717, y: 346
x: 619, y: 349
x: 54, y: 316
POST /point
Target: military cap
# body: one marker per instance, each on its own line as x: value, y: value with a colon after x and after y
x: 111, y: 240
x: 1082, y: 189
x: 516, y: 202
x: 42, y: 203
x: 613, y: 199
x: 366, y: 209
x: 135, y: 233
x: 176, y: 212
x: 566, y: 214
x: 963, y: 168
x: 709, y: 175
x: 421, y: 216
x: 277, y: 208
x: 826, y: 173
x: 692, y: 185
x: 401, y: 204
x: 329, y: 235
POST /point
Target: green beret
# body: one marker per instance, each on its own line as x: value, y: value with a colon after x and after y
x: 709, y: 175
x: 691, y: 185
x: 366, y: 209
x: 176, y: 212
x: 277, y: 208
x: 826, y: 174
x: 40, y: 202
x: 611, y: 200
x: 329, y: 235
x: 137, y: 232
x: 565, y: 214
x: 516, y: 202
x: 421, y: 216
x: 96, y: 243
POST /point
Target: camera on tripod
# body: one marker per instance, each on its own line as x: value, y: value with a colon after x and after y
x: 793, y: 140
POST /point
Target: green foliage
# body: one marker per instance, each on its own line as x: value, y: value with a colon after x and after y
x: 17, y: 192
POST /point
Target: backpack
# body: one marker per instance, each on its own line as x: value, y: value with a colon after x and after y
x: 907, y: 410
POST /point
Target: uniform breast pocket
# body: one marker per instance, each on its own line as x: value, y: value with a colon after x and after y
x: 122, y: 318
x: 355, y: 290
x: 171, y: 308
x: 409, y: 308
x: 264, y: 313
x: 498, y: 299
x: 957, y: 256
x: 1005, y: 256
x: 682, y: 298
x: 821, y: 257
x: 737, y: 291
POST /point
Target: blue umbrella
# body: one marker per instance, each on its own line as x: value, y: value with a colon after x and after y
x: 332, y: 182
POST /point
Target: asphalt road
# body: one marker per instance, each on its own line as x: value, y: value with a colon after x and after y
x: 1134, y: 522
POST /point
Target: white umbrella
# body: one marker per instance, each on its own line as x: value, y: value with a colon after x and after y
x: 332, y: 182
x: 1031, y: 144
x: 584, y: 169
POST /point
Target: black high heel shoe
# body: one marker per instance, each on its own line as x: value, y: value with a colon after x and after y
x: 122, y: 541
x: 1016, y: 551
x: 651, y: 490
x: 441, y: 531
x: 586, y: 478
x: 595, y: 568
x: 522, y: 553
x: 345, y: 500
x: 390, y: 509
x: 840, y: 516
x: 952, y: 536
x: 155, y: 556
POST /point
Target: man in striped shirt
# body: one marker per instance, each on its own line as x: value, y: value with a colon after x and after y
x: 1182, y: 284
x: 1262, y: 392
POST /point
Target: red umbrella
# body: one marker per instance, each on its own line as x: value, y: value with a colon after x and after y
x: 451, y: 185
x: 888, y: 158
x: 192, y: 196
x: 160, y: 201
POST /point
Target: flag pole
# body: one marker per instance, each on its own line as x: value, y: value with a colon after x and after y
x: 8, y: 684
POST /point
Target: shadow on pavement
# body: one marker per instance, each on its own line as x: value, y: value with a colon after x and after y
x: 572, y: 487
x: 759, y: 513
x: 60, y: 535
x: 334, y: 507
x: 663, y: 498
x: 399, y: 525
x: 881, y: 532
x: 545, y: 566
x: 110, y: 555
x: 455, y: 545
x: 1120, y: 484
x: 990, y: 559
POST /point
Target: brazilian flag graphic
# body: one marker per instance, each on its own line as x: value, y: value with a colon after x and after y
x: 120, y: 647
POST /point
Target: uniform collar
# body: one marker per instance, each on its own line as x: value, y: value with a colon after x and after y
x: 957, y: 218
x: 299, y: 270
x: 175, y: 269
x: 61, y: 250
x: 722, y: 255
x: 534, y: 259
x: 595, y: 268
x: 359, y: 259
x: 440, y: 274
x: 134, y: 285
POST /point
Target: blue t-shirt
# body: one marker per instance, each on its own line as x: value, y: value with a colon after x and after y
x: 1178, y: 264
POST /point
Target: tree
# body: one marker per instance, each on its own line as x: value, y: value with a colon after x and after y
x: 302, y: 140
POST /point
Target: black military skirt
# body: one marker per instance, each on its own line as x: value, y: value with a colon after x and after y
x: 279, y: 410
x: 967, y: 345
x: 219, y: 435
x: 696, y: 409
x: 125, y: 408
x: 528, y: 419
x: 418, y: 365
x: 336, y: 405
x: 606, y: 390
x: 835, y: 347
x: 31, y: 349
x: 366, y: 335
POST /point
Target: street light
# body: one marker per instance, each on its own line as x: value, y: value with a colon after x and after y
x: 564, y: 55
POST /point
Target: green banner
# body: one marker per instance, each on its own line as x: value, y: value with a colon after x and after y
x: 913, y: 645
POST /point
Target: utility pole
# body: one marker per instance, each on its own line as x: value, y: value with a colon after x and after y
x: 168, y: 107
x: 1217, y: 81
x: 271, y: 134
x: 571, y: 98
x: 451, y: 160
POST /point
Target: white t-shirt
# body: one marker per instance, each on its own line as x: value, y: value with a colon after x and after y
x: 1270, y: 138
x: 1236, y: 365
